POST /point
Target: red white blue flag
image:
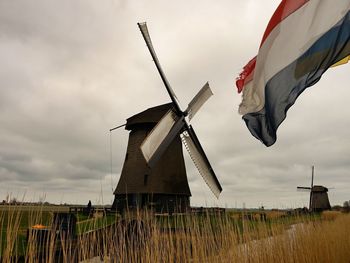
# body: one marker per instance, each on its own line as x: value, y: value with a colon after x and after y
x: 302, y: 40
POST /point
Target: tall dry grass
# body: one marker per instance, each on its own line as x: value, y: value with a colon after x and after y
x: 142, y: 237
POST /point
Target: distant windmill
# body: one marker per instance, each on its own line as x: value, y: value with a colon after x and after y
x: 318, y: 196
x: 153, y: 173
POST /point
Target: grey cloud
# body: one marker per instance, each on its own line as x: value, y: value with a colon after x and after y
x: 70, y: 71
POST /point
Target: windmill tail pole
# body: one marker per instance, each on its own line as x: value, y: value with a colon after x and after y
x: 117, y: 127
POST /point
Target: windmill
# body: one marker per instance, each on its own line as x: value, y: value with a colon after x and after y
x: 318, y: 196
x: 156, y: 176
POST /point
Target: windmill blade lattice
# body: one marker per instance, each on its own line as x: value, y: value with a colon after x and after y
x: 161, y: 136
x: 197, y: 102
x: 201, y: 162
x: 144, y: 30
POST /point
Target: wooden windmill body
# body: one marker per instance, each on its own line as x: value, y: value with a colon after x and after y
x: 163, y: 188
x: 154, y: 173
x: 318, y: 196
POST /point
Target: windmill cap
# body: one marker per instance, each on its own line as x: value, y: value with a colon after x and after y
x: 319, y: 188
x: 149, y: 116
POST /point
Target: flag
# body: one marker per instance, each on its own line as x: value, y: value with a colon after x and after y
x: 302, y: 40
x: 342, y: 62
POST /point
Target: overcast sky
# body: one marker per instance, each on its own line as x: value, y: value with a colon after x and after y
x: 71, y: 70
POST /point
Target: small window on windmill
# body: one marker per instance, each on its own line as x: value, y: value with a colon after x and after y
x: 145, y: 179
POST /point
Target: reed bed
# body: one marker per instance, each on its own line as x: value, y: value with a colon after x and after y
x: 143, y: 237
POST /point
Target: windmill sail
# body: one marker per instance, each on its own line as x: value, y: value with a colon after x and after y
x: 196, y: 103
x: 195, y: 150
x: 161, y: 136
x: 147, y: 38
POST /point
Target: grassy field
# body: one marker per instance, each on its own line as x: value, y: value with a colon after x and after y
x: 185, y: 238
